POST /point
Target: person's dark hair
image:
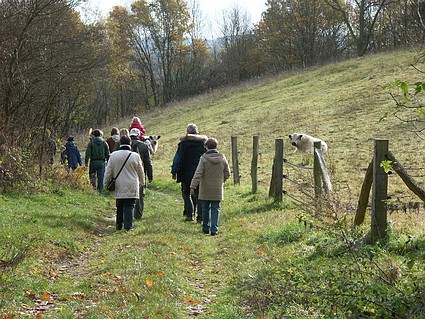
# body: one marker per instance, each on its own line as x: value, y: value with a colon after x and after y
x: 96, y: 133
x: 125, y: 140
x: 115, y: 131
x: 211, y: 143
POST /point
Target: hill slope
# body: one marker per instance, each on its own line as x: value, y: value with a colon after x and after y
x: 340, y: 103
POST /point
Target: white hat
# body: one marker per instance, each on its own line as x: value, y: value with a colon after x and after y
x: 134, y: 132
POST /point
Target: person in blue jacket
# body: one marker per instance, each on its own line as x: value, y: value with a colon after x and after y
x: 73, y: 154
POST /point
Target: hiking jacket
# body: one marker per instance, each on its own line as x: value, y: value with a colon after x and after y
x: 187, y: 158
x: 140, y: 127
x: 187, y: 137
x: 97, y: 151
x: 112, y: 140
x: 131, y: 176
x: 143, y: 150
x: 73, y: 154
x: 213, y: 170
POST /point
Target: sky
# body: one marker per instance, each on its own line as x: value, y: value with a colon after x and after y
x: 211, y: 9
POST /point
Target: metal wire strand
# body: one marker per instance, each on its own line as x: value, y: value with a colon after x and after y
x: 297, y: 183
x: 296, y: 165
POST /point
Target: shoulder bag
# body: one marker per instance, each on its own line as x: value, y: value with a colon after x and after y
x: 111, y: 184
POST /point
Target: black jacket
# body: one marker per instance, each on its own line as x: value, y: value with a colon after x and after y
x: 143, y: 150
x: 189, y: 153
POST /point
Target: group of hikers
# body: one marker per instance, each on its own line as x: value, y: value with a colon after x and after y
x: 126, y: 157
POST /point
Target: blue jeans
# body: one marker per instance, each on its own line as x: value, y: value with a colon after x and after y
x: 210, y: 215
x: 96, y: 173
x: 125, y: 210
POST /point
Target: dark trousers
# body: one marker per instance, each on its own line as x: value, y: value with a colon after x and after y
x: 96, y: 173
x: 125, y: 210
x: 140, y: 204
x: 191, y: 203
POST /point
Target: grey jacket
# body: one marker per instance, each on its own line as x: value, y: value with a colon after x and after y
x: 212, y: 171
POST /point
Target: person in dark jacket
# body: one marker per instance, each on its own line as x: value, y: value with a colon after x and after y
x: 73, y: 154
x: 97, y: 153
x: 189, y: 151
x: 143, y: 150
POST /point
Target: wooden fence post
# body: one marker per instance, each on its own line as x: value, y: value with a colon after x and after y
x: 278, y: 170
x: 235, y: 160
x: 364, y: 196
x: 316, y: 173
x: 254, y: 163
x: 379, y: 192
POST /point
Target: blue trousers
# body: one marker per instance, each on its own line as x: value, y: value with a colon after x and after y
x: 210, y: 215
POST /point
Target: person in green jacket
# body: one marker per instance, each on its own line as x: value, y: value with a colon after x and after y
x: 97, y: 153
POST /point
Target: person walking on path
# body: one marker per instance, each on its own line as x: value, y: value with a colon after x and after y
x: 73, y: 154
x: 127, y: 184
x: 97, y: 153
x: 186, y: 159
x: 213, y: 170
x: 143, y: 150
x: 113, y: 139
x: 135, y: 123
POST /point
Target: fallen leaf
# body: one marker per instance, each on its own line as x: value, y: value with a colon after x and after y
x: 46, y: 296
x: 149, y: 282
x: 30, y: 294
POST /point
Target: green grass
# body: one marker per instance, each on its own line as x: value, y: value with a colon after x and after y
x: 266, y: 262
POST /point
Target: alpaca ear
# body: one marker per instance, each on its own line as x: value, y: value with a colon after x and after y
x: 301, y: 136
x: 290, y: 136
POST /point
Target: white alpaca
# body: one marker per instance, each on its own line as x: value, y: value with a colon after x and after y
x: 305, y: 143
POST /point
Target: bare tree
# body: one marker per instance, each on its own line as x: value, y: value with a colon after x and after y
x: 360, y: 18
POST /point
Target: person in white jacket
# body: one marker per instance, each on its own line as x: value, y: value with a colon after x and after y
x: 128, y: 182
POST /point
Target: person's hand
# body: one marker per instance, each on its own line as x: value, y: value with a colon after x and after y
x: 192, y: 191
x: 174, y: 176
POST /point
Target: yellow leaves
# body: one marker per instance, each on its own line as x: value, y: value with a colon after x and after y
x: 149, y: 282
x: 190, y: 300
x: 45, y: 296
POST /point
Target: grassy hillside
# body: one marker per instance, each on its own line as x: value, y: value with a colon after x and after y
x: 340, y: 103
x: 61, y: 257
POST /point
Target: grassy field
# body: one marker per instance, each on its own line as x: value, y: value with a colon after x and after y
x: 269, y: 260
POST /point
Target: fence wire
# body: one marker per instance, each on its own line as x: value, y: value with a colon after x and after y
x: 296, y: 165
x: 295, y: 199
x: 296, y: 182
